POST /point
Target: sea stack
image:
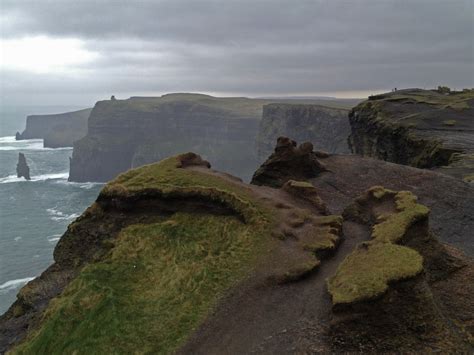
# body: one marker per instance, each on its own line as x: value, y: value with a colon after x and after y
x: 22, y: 168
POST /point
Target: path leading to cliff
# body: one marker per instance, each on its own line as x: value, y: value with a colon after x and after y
x: 291, y: 317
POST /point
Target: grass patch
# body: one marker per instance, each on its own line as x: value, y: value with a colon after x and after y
x: 366, y: 272
x: 170, y: 179
x: 395, y: 225
x: 160, y: 280
x: 155, y: 287
x: 449, y: 122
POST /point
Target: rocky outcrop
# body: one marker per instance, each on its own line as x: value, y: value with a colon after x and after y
x: 420, y: 128
x: 22, y: 168
x: 57, y: 130
x: 289, y: 162
x: 400, y: 268
x: 326, y: 128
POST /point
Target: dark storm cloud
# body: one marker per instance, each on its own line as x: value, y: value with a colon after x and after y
x: 256, y: 47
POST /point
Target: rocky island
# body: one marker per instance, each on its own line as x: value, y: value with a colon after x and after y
x: 183, y: 258
x: 431, y: 129
x: 22, y: 168
x: 57, y: 130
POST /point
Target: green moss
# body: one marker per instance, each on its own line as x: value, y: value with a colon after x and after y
x: 325, y: 240
x: 297, y: 272
x: 300, y: 184
x: 449, y: 122
x: 468, y: 178
x: 155, y: 287
x: 168, y: 178
x: 366, y: 273
x: 395, y: 225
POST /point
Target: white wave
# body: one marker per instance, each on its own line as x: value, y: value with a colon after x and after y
x: 82, y: 185
x: 13, y: 284
x: 43, y: 177
x: 9, y: 143
x: 61, y: 216
x: 54, y: 238
x: 16, y: 239
x: 8, y: 139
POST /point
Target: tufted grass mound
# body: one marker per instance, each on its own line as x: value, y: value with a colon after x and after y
x: 395, y: 225
x: 366, y: 272
x: 156, y: 286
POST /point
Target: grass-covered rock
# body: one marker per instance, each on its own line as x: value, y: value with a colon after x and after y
x: 368, y: 271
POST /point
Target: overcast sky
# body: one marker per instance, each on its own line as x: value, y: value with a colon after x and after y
x: 79, y: 51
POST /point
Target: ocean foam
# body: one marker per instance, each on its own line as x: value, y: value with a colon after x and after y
x: 61, y: 216
x: 54, y: 238
x: 43, y: 177
x: 13, y: 284
x: 9, y: 143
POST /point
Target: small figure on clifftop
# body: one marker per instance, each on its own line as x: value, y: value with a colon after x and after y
x: 22, y: 169
x: 112, y: 98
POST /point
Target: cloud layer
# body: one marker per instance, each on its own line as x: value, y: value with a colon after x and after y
x: 245, y: 47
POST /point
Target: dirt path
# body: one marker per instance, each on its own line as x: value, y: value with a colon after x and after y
x: 265, y: 318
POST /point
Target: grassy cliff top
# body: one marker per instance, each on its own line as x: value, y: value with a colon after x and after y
x: 455, y: 100
x: 170, y: 178
x: 230, y: 107
x: 424, y: 109
x: 161, y: 278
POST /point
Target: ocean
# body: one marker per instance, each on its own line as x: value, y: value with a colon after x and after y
x: 34, y: 214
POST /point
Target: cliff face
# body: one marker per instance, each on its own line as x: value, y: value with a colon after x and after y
x: 177, y: 257
x: 326, y: 128
x: 123, y: 134
x: 421, y: 128
x: 58, y: 130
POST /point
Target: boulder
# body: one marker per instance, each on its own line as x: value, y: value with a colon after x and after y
x: 288, y: 162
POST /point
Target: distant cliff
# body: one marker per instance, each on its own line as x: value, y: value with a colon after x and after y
x: 123, y: 134
x: 327, y: 128
x: 57, y: 130
x: 421, y: 128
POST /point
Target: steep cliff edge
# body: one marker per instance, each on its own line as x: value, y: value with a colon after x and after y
x: 421, y: 128
x: 57, y: 130
x: 177, y: 257
x: 325, y: 127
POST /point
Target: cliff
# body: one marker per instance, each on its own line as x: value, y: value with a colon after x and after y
x: 420, y: 128
x: 182, y: 258
x: 123, y: 134
x: 325, y: 127
x: 57, y: 130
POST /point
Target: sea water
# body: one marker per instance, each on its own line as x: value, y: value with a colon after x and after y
x: 34, y: 214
